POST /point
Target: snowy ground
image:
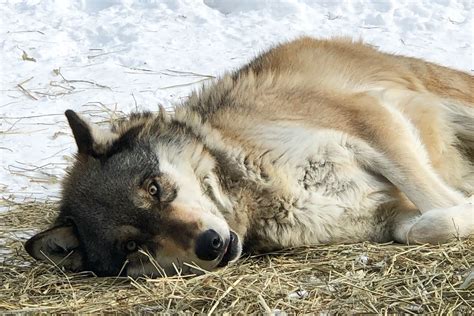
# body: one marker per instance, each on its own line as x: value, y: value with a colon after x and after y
x: 110, y: 56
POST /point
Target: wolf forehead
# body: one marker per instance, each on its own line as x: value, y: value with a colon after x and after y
x: 111, y: 166
x: 137, y: 128
x: 124, y: 155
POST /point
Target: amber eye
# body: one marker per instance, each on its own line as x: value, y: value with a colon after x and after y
x: 153, y: 189
x: 131, y: 246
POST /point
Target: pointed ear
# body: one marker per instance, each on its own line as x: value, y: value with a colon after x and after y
x: 82, y: 132
x: 90, y: 140
x: 58, y: 245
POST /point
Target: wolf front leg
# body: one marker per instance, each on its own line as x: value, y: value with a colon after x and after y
x: 434, y: 226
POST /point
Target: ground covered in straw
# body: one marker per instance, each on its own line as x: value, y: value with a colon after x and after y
x: 345, y: 278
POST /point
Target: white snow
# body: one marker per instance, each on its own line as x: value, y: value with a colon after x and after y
x: 103, y: 57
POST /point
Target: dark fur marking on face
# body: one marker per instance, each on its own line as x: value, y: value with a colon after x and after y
x: 169, y: 191
x: 180, y: 232
x: 105, y: 254
x: 124, y: 142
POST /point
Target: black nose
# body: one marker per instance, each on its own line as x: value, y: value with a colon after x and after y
x: 209, y: 245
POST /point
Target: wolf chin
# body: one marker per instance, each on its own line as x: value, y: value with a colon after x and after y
x: 312, y: 142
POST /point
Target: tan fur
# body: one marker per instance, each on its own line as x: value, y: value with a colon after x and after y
x: 392, y: 104
x: 314, y: 141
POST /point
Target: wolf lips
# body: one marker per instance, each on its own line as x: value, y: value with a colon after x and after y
x: 232, y: 250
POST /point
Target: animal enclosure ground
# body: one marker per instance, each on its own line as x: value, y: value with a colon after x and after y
x: 353, y: 278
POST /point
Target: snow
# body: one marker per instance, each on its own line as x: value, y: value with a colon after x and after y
x: 107, y: 57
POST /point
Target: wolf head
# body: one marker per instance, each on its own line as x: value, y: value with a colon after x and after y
x: 141, y: 199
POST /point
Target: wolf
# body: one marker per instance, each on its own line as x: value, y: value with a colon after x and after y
x: 312, y: 142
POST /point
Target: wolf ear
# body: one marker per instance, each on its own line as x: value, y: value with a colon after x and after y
x: 90, y: 140
x: 58, y: 245
x: 81, y: 131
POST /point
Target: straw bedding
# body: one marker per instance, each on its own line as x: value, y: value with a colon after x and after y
x: 355, y: 278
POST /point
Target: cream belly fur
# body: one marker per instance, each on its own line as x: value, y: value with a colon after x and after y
x: 331, y: 197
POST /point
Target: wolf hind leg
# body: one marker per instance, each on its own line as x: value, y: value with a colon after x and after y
x: 396, y: 152
x: 438, y: 212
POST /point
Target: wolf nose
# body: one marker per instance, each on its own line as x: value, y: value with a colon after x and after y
x: 209, y: 245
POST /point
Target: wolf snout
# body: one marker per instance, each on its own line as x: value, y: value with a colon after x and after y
x: 209, y: 245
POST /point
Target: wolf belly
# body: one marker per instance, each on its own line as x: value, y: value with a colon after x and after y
x: 324, y: 195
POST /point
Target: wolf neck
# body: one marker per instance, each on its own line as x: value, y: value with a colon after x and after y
x: 238, y: 180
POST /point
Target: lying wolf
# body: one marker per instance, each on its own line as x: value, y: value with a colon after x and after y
x: 314, y: 141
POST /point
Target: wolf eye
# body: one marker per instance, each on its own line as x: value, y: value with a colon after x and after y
x: 131, y: 246
x: 153, y: 189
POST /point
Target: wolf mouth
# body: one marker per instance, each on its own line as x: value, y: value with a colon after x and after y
x: 232, y: 250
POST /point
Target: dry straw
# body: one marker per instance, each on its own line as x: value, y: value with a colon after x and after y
x: 344, y: 279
